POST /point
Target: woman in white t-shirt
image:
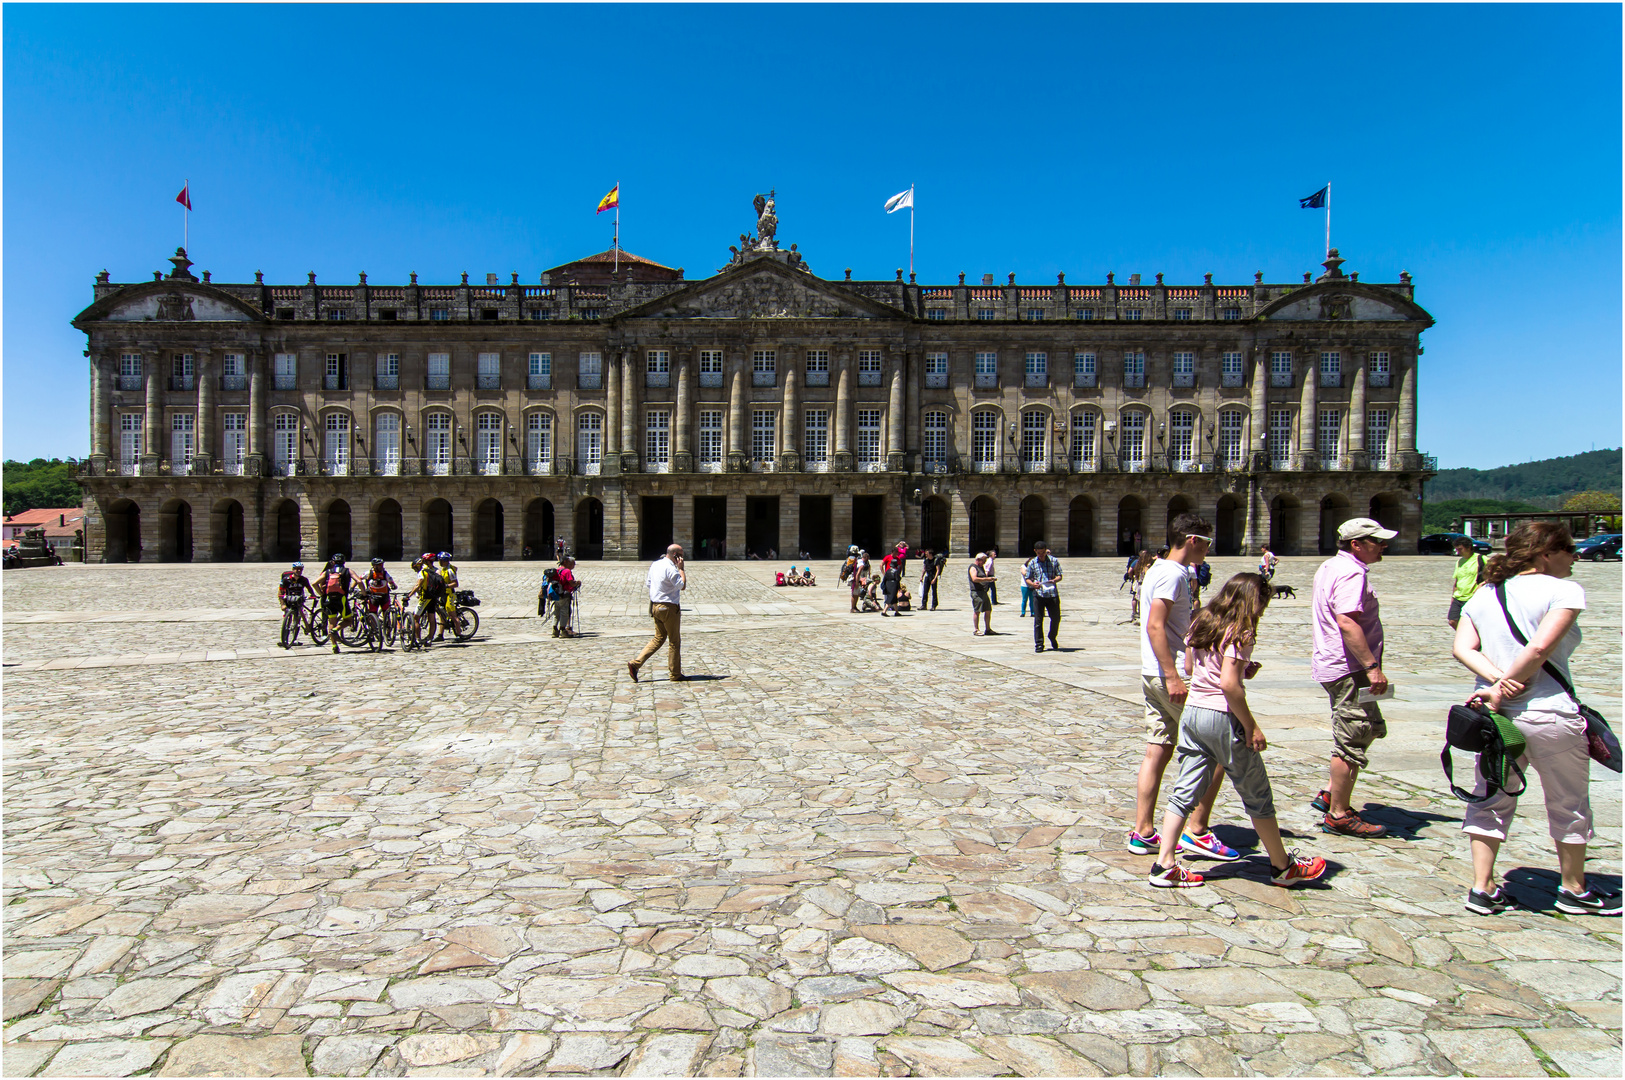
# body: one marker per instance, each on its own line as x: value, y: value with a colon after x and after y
x: 1532, y: 576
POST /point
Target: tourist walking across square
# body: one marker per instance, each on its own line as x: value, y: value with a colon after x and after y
x: 1346, y: 658
x: 563, y: 594
x: 980, y: 602
x: 993, y: 583
x: 1039, y: 578
x: 1516, y: 635
x: 1165, y: 593
x: 930, y: 572
x: 1469, y: 571
x: 666, y: 580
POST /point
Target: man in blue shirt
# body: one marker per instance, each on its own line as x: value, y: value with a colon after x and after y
x: 1040, y: 575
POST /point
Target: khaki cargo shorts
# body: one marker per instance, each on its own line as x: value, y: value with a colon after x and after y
x: 1354, y: 726
x: 1161, y: 718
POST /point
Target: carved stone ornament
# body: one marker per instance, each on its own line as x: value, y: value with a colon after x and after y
x: 1336, y: 306
x: 175, y: 307
x: 763, y: 296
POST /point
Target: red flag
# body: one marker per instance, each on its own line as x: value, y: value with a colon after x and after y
x: 185, y: 198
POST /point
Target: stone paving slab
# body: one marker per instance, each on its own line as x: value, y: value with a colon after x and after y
x: 854, y: 846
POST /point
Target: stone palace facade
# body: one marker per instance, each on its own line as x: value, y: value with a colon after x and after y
x: 618, y: 406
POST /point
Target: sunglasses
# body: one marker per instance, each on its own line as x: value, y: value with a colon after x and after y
x: 1199, y: 536
x: 1569, y: 548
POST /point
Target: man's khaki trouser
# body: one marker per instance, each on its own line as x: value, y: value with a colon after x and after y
x: 668, y: 626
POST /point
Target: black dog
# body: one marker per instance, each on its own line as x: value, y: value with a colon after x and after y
x: 1286, y: 591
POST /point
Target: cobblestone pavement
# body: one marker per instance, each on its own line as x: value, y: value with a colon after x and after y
x: 854, y: 846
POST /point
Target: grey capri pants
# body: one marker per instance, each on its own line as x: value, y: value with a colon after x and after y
x: 1210, y: 740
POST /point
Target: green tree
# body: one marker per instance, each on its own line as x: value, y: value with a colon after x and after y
x: 40, y: 483
x: 1595, y: 502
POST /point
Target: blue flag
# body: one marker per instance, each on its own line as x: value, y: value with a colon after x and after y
x: 1315, y: 201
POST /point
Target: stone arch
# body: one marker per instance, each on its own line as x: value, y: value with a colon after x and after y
x: 983, y: 526
x: 122, y: 524
x: 287, y: 544
x: 175, y: 531
x: 386, y: 530
x: 934, y: 519
x: 589, y: 529
x: 1131, y: 538
x: 1229, y: 523
x: 1032, y: 525
x: 1080, y: 527
x: 539, y: 528
x: 1284, y: 524
x: 1334, y: 510
x: 1177, y: 504
x: 437, y: 524
x: 333, y: 530
x: 1388, y: 510
x: 488, y: 525
x: 226, y: 529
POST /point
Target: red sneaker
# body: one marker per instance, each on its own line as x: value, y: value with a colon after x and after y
x: 1174, y: 877
x: 1299, y: 869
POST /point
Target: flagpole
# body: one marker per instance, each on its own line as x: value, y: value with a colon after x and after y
x: 1328, y: 219
x: 911, y: 231
x: 186, y: 218
x: 617, y: 243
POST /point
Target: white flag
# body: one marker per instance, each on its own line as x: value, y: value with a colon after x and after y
x: 903, y: 200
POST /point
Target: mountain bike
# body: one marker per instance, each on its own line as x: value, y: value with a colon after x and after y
x: 300, y: 615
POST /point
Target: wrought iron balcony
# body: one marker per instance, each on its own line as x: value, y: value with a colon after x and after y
x: 710, y: 378
x: 936, y: 380
x: 538, y: 381
x: 387, y: 382
x: 284, y: 382
x: 869, y: 378
x: 987, y: 382
x: 1379, y: 378
x: 234, y: 382
x: 1134, y: 380
x: 764, y: 378
x: 590, y: 380
x: 1084, y: 379
x: 437, y: 382
x: 488, y: 382
x: 656, y: 379
x: 1184, y: 378
x: 131, y: 382
x: 335, y: 382
x: 819, y: 378
x: 182, y: 382
x: 1232, y: 378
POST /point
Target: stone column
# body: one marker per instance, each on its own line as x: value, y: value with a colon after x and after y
x: 612, y: 411
x: 1106, y: 537
x: 735, y: 545
x: 1407, y: 418
x: 789, y: 526
x: 842, y: 459
x: 894, y: 415
x: 254, y: 527
x: 913, y: 366
x: 682, y: 522
x: 462, y: 526
x: 254, y: 460
x: 411, y: 526
x: 1260, y: 407
x: 682, y: 458
x: 1358, y: 459
x: 631, y: 394
x: 1308, y: 404
x: 204, y: 373
x: 738, y: 449
x: 101, y: 409
x: 1249, y: 527
x: 789, y: 428
x: 153, y: 446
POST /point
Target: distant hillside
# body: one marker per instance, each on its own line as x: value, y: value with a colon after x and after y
x: 1544, y: 483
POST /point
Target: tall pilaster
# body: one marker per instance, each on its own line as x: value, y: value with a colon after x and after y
x: 631, y: 394
x: 894, y: 417
x: 682, y: 459
x: 152, y: 439
x: 612, y: 410
x: 1260, y: 406
x: 737, y: 450
x: 1408, y: 458
x: 101, y: 408
x: 206, y: 451
x: 843, y: 414
x: 1358, y: 459
x: 1308, y: 403
x: 254, y: 463
x: 790, y: 433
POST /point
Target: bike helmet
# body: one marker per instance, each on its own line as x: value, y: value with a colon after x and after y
x: 377, y: 562
x: 852, y: 549
x: 297, y: 566
x: 338, y: 560
x: 444, y: 556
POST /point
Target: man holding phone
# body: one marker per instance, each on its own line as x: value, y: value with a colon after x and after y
x: 666, y: 581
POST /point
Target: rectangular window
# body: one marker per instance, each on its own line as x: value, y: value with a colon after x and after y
x: 764, y: 367
x: 1133, y: 369
x: 984, y: 314
x: 129, y: 440
x: 1184, y: 369
x: 934, y: 441
x: 488, y: 443
x: 1379, y: 371
x: 1085, y: 366
x: 868, y: 367
x: 1037, y: 369
x: 439, y: 377
x: 129, y: 371
x: 284, y: 443
x: 1331, y: 369
x: 1230, y: 444
x: 817, y: 367
x: 764, y: 435
x: 1280, y: 369
x: 182, y: 443
x: 1328, y: 434
x: 1033, y: 314
x: 987, y: 370
x: 437, y: 444
x: 183, y: 373
x: 868, y: 447
x: 539, y: 443
x: 657, y: 368
x: 1182, y: 314
x: 936, y: 314
x: 336, y: 375
x: 488, y: 376
x: 936, y: 370
x: 1232, y: 371
x: 1232, y: 314
x: 1280, y: 437
x: 1133, y: 314
x: 438, y: 314
x: 710, y: 442
x: 388, y: 376
x: 336, y: 445
x: 590, y: 375
x: 1034, y: 441
x: 710, y: 367
x: 815, y: 441
x: 1133, y: 442
x: 589, y: 442
x: 540, y: 374
x: 984, y: 440
x: 1182, y: 439
x: 234, y: 372
x: 657, y: 440
x: 1083, y: 441
x: 285, y: 371
x: 1376, y: 437
x: 386, y: 444
x: 1084, y: 314
x: 233, y: 442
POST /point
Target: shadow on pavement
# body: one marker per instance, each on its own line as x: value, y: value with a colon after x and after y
x: 1535, y: 888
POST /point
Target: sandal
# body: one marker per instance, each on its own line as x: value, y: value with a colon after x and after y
x: 976, y: 633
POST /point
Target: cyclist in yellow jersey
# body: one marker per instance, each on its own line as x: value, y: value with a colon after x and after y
x: 429, y: 590
x: 448, y: 574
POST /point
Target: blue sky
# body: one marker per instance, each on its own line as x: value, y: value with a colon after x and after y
x: 1478, y: 147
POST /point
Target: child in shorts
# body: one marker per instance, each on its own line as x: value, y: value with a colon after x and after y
x: 1217, y: 730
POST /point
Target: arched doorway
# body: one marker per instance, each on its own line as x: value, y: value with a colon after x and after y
x: 983, y: 524
x: 1080, y: 527
x: 1177, y: 505
x: 387, y: 542
x: 175, y: 531
x: 226, y: 526
x: 1334, y: 510
x: 333, y: 531
x: 287, y: 531
x: 1227, y: 526
x: 437, y: 526
x: 934, y: 523
x: 1388, y: 511
x: 123, y: 522
x: 589, y: 529
x: 539, y: 528
x: 1031, y: 526
x: 488, y: 530
x: 1284, y: 525
x: 1131, y: 538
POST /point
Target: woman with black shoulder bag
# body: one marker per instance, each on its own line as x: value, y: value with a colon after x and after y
x: 1515, y: 634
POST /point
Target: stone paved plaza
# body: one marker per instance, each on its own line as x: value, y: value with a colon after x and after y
x: 853, y: 846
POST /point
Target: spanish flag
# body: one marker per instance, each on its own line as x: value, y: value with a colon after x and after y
x: 610, y: 201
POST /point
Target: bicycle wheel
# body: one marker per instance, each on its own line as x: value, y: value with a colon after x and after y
x: 290, y: 627
x: 386, y: 626
x: 317, y: 627
x: 465, y: 623
x: 353, y: 631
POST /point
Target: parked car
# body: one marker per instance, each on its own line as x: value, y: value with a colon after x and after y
x: 1445, y: 544
x: 1599, y: 547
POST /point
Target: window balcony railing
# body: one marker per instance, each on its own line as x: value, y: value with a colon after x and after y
x: 488, y: 382
x: 936, y: 381
x: 590, y: 380
x: 656, y: 378
x: 817, y: 378
x: 335, y: 382
x: 1280, y: 378
x: 488, y: 466
x: 130, y: 382
x: 710, y: 378
x: 539, y: 382
x: 1081, y: 465
x: 284, y: 382
x: 1133, y: 464
x: 1184, y: 378
x: 987, y: 466
x: 386, y: 382
x: 1039, y: 465
x: 539, y: 467
x: 331, y: 467
x: 437, y: 382
x: 1134, y: 380
x: 987, y: 382
x: 1379, y: 378
x: 1084, y: 379
x: 868, y: 378
x: 1232, y: 378
x: 1037, y: 379
x: 1331, y: 379
x: 387, y: 466
x: 182, y: 382
x: 764, y: 378
x: 234, y: 382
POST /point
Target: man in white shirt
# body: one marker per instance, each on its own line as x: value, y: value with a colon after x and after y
x: 666, y: 581
x: 1166, y: 594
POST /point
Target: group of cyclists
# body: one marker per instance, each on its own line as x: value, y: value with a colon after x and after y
x: 361, y: 610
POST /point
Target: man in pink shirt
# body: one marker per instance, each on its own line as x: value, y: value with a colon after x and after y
x: 1346, y: 659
